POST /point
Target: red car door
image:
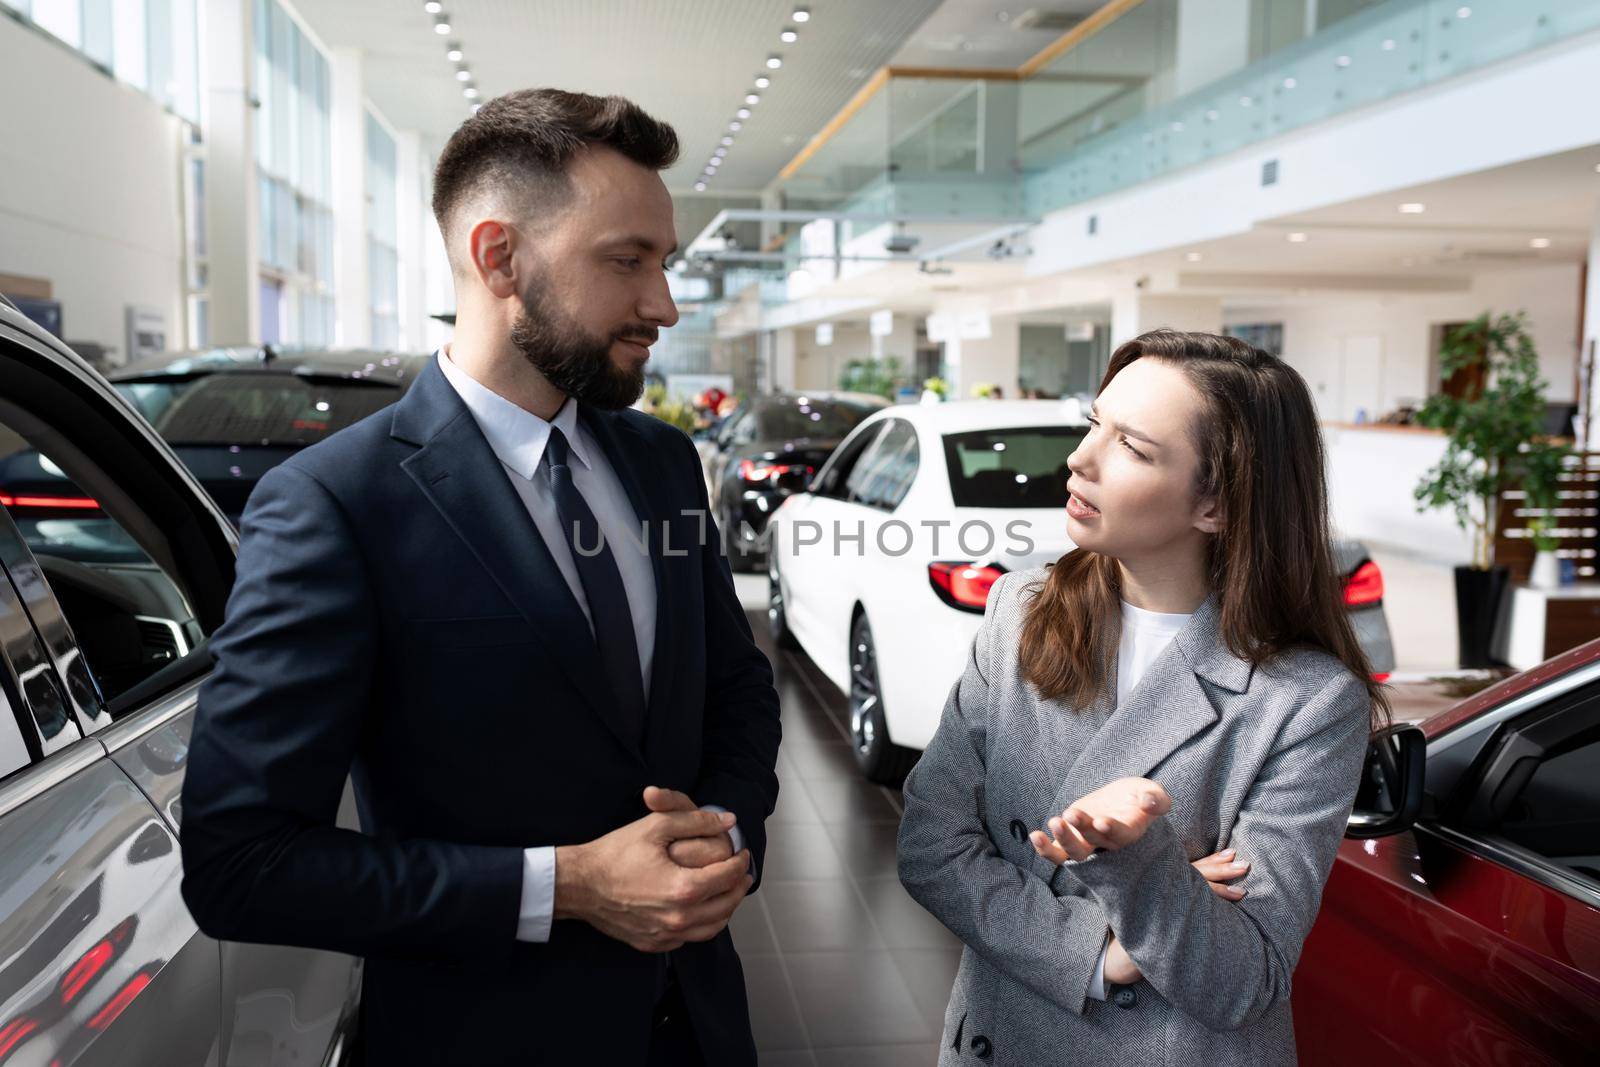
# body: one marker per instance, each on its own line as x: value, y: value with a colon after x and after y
x: 1473, y: 938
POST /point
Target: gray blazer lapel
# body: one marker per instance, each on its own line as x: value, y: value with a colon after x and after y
x: 1167, y: 708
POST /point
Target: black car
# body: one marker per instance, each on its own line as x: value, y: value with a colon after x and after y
x: 232, y: 414
x: 768, y: 449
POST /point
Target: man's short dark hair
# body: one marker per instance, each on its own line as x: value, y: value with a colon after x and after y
x: 526, y: 139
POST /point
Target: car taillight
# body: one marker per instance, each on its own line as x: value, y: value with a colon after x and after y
x: 49, y: 503
x: 1365, y: 585
x: 751, y: 471
x: 1380, y: 678
x: 964, y: 585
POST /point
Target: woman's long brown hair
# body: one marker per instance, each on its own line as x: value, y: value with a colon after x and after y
x: 1271, y: 565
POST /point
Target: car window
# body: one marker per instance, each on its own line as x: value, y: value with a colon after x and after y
x: 1557, y: 813
x: 107, y: 555
x: 14, y: 755
x: 256, y: 408
x: 832, y: 479
x: 884, y: 475
x: 36, y: 712
x: 1015, y: 467
x: 790, y: 417
x: 744, y: 431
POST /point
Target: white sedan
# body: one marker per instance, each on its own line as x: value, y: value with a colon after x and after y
x: 881, y: 568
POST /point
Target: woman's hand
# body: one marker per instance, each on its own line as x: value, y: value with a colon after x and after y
x: 1219, y: 868
x: 1112, y: 817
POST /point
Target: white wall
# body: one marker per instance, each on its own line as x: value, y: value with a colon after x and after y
x: 1315, y: 336
x: 90, y: 190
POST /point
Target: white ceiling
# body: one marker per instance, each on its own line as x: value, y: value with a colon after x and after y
x: 689, y: 62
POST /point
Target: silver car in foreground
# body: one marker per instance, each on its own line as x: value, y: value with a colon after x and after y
x: 107, y: 596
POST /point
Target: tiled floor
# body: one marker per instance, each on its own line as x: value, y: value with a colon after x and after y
x: 842, y: 966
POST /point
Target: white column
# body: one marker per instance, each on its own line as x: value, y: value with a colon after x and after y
x: 352, y: 300
x: 1213, y: 41
x: 232, y: 240
x: 414, y: 216
x: 995, y: 359
x: 785, y: 344
x: 1589, y: 349
x: 1134, y: 312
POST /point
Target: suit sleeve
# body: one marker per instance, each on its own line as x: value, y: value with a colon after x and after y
x: 950, y: 865
x: 276, y: 733
x: 738, y: 768
x: 1225, y: 963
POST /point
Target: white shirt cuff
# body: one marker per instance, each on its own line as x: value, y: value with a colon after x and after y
x: 1097, y: 984
x: 734, y: 834
x: 538, y: 894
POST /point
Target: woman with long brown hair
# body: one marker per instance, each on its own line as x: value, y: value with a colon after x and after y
x: 1138, y: 785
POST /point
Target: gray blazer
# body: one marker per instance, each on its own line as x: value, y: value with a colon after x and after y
x: 1266, y: 760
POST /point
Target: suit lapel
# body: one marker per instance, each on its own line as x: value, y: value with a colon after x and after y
x: 460, y: 475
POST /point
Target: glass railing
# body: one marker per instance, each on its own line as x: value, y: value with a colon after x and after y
x: 1362, y: 53
x: 1163, y: 85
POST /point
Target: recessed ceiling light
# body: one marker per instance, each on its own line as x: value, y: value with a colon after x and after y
x: 788, y: 36
x: 1245, y: 101
x: 699, y: 187
x: 1388, y: 44
x: 763, y: 81
x: 727, y: 141
x: 463, y: 75
x: 1463, y: 12
x: 454, y: 54
x: 752, y: 98
x: 1192, y: 257
x: 735, y: 126
x: 1539, y: 242
x: 774, y: 61
x: 470, y: 92
x: 1298, y: 238
x: 801, y: 14
x: 1597, y: 168
x: 720, y: 153
x: 1342, y: 61
x: 743, y: 112
x: 441, y: 27
x: 1289, y: 83
x: 1413, y: 208
x: 433, y: 7
x: 713, y: 162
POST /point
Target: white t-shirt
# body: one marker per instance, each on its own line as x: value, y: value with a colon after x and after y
x: 1145, y: 634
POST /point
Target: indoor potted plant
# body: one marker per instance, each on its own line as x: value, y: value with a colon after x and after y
x: 1496, y: 443
x: 1546, y: 570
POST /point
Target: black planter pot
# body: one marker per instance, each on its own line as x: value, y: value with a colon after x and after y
x: 1478, y: 596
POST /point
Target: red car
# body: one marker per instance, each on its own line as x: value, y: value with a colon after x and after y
x: 1469, y: 932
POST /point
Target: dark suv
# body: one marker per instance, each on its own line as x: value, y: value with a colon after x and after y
x: 114, y: 568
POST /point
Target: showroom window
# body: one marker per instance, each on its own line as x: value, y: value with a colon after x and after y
x: 153, y: 45
x: 294, y: 181
x: 383, y: 257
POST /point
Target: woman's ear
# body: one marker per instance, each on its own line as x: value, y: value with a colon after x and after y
x: 1208, y: 517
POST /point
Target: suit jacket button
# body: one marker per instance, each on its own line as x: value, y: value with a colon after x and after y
x: 1019, y: 829
x: 1125, y: 997
x: 980, y: 1047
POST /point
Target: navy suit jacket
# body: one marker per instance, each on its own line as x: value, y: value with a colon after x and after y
x: 398, y: 619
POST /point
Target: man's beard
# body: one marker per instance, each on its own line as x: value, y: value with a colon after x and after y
x: 575, y: 362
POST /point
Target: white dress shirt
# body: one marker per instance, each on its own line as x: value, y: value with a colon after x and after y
x: 517, y: 437
x: 1145, y: 635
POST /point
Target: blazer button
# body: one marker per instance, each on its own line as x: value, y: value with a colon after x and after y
x: 980, y: 1047
x: 1019, y: 829
x: 1125, y: 997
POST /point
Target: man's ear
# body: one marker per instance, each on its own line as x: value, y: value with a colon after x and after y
x: 490, y: 244
x: 1208, y: 517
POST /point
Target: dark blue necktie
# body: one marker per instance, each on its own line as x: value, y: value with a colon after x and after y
x: 602, y: 587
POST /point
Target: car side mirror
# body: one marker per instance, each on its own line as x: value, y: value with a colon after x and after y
x: 1390, y: 796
